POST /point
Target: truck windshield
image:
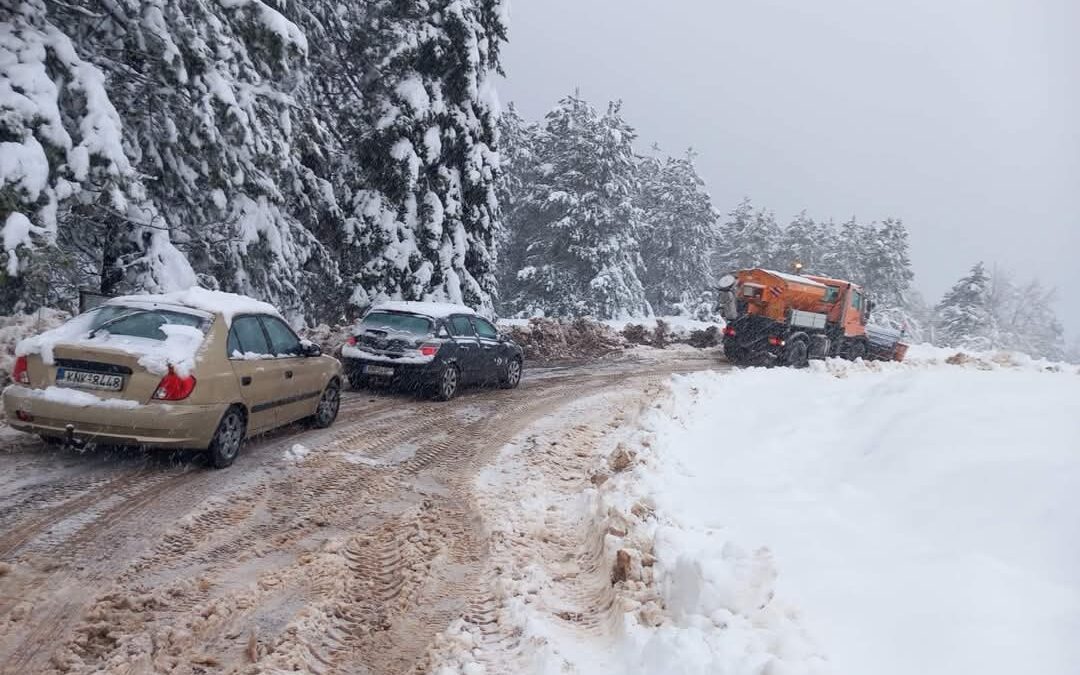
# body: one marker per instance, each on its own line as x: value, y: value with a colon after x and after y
x: 832, y: 294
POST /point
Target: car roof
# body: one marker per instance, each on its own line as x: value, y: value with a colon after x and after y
x: 434, y: 310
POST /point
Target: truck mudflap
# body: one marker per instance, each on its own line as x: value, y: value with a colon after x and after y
x: 747, y: 341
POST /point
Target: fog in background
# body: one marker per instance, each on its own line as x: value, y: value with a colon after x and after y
x: 959, y: 116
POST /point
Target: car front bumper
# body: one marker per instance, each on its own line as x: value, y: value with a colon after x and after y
x: 156, y: 424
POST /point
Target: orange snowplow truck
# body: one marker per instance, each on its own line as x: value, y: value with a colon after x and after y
x: 775, y: 318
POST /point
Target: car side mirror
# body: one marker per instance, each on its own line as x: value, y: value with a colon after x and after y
x: 310, y: 349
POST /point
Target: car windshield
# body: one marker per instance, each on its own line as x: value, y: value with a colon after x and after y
x: 141, y: 322
x: 396, y: 322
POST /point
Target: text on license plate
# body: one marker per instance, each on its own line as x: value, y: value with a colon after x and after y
x: 85, y: 380
x: 378, y: 370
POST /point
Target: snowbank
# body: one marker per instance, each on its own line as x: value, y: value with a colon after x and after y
x: 16, y: 328
x: 923, y: 518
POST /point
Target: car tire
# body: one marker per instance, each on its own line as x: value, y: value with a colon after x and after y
x: 511, y: 376
x: 228, y: 438
x: 329, y: 405
x: 797, y: 354
x: 446, y: 387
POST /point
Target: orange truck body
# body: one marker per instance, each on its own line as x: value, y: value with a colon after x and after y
x: 830, y: 315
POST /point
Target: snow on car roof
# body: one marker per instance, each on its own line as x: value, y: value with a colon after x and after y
x: 213, y: 302
x: 796, y: 278
x: 436, y: 310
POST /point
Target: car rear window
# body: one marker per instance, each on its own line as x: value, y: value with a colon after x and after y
x: 140, y: 321
x: 397, y: 323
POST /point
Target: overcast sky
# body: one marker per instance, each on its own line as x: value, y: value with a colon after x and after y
x: 960, y: 116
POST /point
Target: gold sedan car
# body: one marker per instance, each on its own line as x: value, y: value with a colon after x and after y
x: 195, y: 369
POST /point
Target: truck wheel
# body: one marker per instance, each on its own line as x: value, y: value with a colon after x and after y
x: 856, y: 350
x: 797, y: 354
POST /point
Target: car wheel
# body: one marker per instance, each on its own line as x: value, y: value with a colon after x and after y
x: 228, y: 438
x: 329, y: 404
x: 447, y: 386
x: 512, y: 376
x: 797, y: 354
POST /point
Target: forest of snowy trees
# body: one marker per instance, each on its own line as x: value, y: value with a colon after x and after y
x: 323, y: 155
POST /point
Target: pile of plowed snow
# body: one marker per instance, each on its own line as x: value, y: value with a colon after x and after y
x: 924, y: 518
x: 849, y: 518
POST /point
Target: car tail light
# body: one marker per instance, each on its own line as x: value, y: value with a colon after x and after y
x: 173, y: 387
x: 429, y: 350
x: 22, y: 373
x: 775, y: 341
x: 729, y: 331
x: 351, y: 340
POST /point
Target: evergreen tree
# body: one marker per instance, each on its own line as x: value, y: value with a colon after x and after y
x: 964, y: 316
x: 578, y: 226
x: 679, y: 236
x: 518, y: 151
x: 73, y: 206
x: 808, y: 242
x: 750, y: 238
x: 418, y: 123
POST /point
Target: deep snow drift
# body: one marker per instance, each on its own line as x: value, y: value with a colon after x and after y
x: 854, y: 519
x: 924, y: 519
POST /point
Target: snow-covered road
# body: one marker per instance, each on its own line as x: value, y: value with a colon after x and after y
x: 344, y: 550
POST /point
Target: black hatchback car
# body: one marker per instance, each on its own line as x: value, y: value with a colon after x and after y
x: 432, y: 347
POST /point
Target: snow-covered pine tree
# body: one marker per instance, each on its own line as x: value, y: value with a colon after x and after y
x: 885, y: 269
x: 1024, y: 318
x: 577, y: 226
x: 73, y: 208
x: 750, y: 238
x: 807, y: 241
x: 964, y: 316
x: 417, y: 115
x: 679, y: 236
x: 517, y: 150
x: 212, y: 96
x: 1072, y: 354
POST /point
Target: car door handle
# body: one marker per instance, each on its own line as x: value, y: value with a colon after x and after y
x: 245, y: 381
x: 288, y: 374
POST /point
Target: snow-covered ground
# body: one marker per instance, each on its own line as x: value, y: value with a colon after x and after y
x: 924, y: 519
x: 848, y: 519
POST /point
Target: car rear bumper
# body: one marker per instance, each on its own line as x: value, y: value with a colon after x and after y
x: 155, y: 424
x: 407, y: 373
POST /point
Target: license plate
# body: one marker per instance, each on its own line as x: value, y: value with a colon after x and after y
x: 379, y: 370
x: 86, y: 380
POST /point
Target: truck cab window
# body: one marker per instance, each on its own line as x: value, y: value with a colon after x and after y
x: 856, y: 300
x: 831, y: 294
